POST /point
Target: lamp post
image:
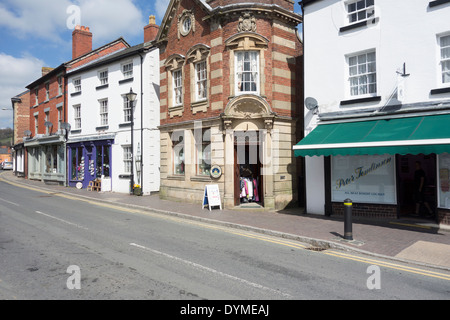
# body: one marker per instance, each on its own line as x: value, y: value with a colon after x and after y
x: 131, y: 97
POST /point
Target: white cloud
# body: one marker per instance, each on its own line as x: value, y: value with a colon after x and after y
x: 110, y: 19
x: 15, y: 75
x: 40, y: 19
x: 47, y: 19
x: 161, y: 7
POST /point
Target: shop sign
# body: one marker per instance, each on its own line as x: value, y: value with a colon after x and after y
x: 364, y: 179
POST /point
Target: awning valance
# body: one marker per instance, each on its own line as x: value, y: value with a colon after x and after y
x: 413, y: 135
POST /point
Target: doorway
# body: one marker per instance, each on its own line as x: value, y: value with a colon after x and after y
x: 406, y: 186
x: 248, y: 181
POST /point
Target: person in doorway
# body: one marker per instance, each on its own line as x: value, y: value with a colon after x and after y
x: 419, y: 186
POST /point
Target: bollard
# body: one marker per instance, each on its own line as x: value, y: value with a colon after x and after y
x: 348, y: 234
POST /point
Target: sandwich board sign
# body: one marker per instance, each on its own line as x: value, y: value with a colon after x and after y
x: 211, y: 197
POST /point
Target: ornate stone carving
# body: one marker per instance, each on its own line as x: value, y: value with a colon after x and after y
x: 186, y: 23
x: 247, y: 23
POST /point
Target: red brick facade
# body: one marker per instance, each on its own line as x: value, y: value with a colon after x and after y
x: 205, y: 32
x: 21, y: 116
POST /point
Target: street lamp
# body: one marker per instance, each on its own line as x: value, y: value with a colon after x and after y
x: 131, y: 97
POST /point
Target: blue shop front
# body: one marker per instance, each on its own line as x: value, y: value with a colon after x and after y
x: 88, y: 161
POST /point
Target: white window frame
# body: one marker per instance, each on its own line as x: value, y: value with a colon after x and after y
x: 77, y: 116
x: 127, y: 158
x: 77, y: 84
x: 444, y: 61
x: 127, y: 70
x: 364, y: 72
x: 239, y: 72
x: 201, y: 81
x: 177, y: 85
x: 36, y: 96
x: 357, y: 14
x: 103, y: 104
x: 47, y: 91
x: 60, y: 84
x: 36, y: 124
x: 127, y: 110
x: 103, y: 77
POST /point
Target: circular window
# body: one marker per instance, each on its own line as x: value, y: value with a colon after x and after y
x: 187, y: 24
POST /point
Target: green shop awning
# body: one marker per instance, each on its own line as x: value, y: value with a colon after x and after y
x: 414, y: 135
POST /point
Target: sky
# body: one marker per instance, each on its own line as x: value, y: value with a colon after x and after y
x: 38, y: 33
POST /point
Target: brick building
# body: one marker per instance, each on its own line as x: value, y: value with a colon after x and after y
x: 229, y: 92
x: 46, y: 146
x: 21, y: 107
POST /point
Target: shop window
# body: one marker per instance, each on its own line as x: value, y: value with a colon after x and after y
x: 178, y: 152
x: 103, y: 162
x: 77, y: 164
x: 203, y: 150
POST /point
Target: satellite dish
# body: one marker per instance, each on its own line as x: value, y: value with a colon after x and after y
x: 66, y: 126
x: 48, y: 124
x: 311, y: 103
x: 27, y: 133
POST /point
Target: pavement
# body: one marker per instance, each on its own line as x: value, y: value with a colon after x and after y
x: 407, y: 240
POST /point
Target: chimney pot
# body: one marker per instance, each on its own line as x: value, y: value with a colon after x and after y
x: 151, y: 30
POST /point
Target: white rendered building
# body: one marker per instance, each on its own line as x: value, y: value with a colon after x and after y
x: 377, y: 89
x: 102, y: 119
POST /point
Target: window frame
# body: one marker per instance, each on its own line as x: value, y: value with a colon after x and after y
x: 237, y: 72
x: 443, y: 60
x: 47, y: 91
x: 358, y: 11
x: 127, y: 158
x: 77, y: 84
x: 203, y: 142
x: 178, y: 152
x: 176, y: 79
x: 127, y: 110
x: 77, y: 116
x: 104, y: 80
x: 104, y: 115
x: 127, y: 74
x: 359, y: 74
x: 199, y: 81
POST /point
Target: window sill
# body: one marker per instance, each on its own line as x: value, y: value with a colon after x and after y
x: 440, y: 90
x: 179, y: 177
x: 125, y: 124
x: 126, y: 80
x: 103, y: 86
x: 205, y: 178
x: 102, y: 128
x: 433, y: 4
x: 75, y: 94
x: 74, y: 131
x: 360, y: 100
x: 360, y: 24
x: 125, y: 176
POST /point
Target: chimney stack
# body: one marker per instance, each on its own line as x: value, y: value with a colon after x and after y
x: 46, y: 70
x: 150, y: 30
x: 81, y: 41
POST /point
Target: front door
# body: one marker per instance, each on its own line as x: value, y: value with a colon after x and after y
x: 412, y: 201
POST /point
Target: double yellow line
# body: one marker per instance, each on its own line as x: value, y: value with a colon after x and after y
x: 252, y: 235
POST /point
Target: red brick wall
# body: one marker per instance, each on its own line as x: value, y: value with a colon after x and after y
x: 204, y: 35
x: 81, y: 41
x: 21, y: 117
x: 367, y: 210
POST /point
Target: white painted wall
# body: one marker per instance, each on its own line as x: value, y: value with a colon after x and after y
x: 404, y: 32
x: 90, y: 116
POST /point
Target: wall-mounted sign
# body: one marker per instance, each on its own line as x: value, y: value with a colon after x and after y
x: 364, y: 179
x: 216, y: 171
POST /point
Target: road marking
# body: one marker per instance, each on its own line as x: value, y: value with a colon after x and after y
x: 62, y: 220
x: 380, y: 263
x: 229, y: 230
x: 13, y: 203
x: 214, y: 271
